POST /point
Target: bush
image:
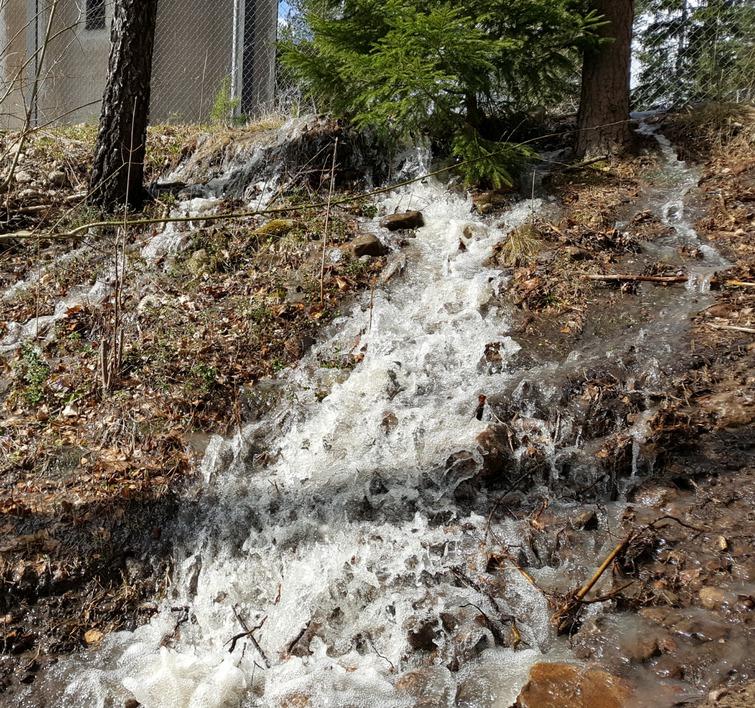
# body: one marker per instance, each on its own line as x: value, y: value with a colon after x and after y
x: 450, y: 71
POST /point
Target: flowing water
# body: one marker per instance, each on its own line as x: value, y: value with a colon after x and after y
x: 331, y: 525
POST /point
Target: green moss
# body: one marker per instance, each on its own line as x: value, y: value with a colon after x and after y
x: 276, y: 228
x: 34, y: 371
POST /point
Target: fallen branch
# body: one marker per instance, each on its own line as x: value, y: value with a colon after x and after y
x: 732, y: 328
x: 739, y: 284
x: 586, y: 163
x: 37, y: 208
x: 248, y: 634
x: 629, y: 278
x: 349, y: 199
x: 565, y: 618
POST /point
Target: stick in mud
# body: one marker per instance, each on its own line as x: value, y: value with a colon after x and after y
x: 566, y: 616
x: 732, y: 328
x: 628, y: 278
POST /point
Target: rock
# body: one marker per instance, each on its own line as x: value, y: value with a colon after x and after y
x: 450, y: 622
x: 295, y: 295
x: 493, y: 444
x: 668, y: 667
x: 641, y: 648
x: 403, y: 220
x: 421, y: 638
x: 301, y: 647
x: 23, y: 177
x: 57, y: 178
x: 486, y: 202
x: 389, y: 422
x: 368, y: 245
x: 470, y: 640
x: 492, y: 359
x: 645, y: 217
x: 701, y: 627
x: 712, y: 598
x: 431, y: 687
x: 131, y: 703
x: 30, y: 195
x: 199, y: 262
x: 557, y: 685
x: 575, y: 253
x: 586, y: 520
x: 93, y: 636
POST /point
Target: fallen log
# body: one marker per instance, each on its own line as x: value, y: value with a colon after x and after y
x: 630, y: 278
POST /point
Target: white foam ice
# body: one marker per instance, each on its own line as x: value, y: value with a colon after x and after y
x: 42, y: 327
x: 176, y: 236
x: 351, y: 533
x: 679, y: 180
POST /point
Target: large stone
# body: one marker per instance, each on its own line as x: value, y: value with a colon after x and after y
x: 712, y: 598
x: 403, y: 220
x: 57, y: 178
x: 422, y: 637
x: 558, y: 685
x: 276, y: 228
x: 368, y: 245
x: 199, y: 262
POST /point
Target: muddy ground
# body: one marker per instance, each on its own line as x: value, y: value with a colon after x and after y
x: 88, y: 476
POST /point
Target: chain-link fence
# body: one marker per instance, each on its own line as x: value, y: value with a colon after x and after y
x: 216, y: 61
x: 689, y: 51
x: 213, y: 61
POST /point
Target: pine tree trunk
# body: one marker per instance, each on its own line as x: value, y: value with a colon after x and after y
x: 604, y: 105
x: 118, y: 171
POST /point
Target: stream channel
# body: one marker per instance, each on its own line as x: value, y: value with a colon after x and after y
x: 340, y: 524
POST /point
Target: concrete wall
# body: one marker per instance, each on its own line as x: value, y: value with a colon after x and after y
x: 193, y: 51
x: 257, y: 75
x: 194, y: 55
x: 75, y: 66
x: 13, y: 76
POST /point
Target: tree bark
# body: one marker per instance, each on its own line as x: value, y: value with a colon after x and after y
x: 603, y: 121
x: 118, y: 171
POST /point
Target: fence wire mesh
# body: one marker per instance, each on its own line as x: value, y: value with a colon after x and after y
x: 213, y: 61
x: 216, y: 61
x: 688, y: 51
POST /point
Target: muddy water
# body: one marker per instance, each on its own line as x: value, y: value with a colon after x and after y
x: 333, y: 527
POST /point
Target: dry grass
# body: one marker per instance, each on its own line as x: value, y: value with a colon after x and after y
x: 520, y: 248
x: 707, y: 129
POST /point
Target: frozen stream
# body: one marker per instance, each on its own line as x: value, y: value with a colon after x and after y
x: 343, y: 544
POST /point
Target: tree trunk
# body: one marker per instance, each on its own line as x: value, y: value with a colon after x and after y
x: 603, y: 121
x: 118, y: 171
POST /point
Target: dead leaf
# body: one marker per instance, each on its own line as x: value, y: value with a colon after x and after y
x: 93, y: 636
